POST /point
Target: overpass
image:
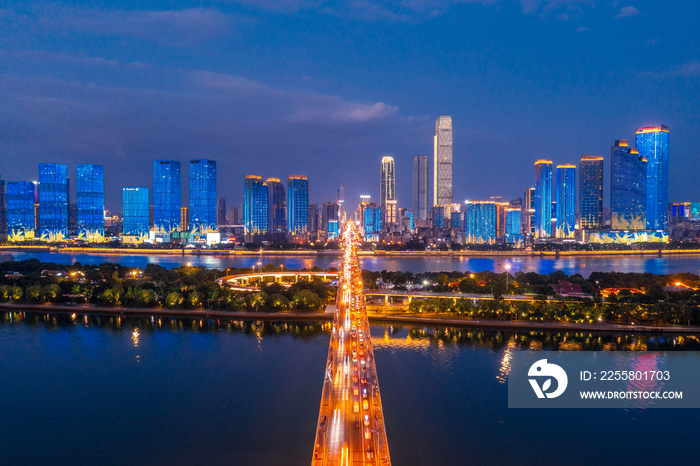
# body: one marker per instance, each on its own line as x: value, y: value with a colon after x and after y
x: 247, y: 281
x: 411, y: 295
x: 351, y: 421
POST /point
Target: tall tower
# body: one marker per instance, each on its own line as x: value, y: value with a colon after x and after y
x: 203, y: 206
x: 566, y: 201
x: 420, y: 186
x: 442, y: 161
x: 20, y: 210
x: 255, y: 210
x: 628, y: 187
x: 90, y: 184
x: 652, y: 143
x: 53, y: 201
x: 166, y: 196
x: 591, y: 191
x: 543, y: 199
x: 387, y: 190
x: 278, y: 210
x: 298, y: 207
x: 135, y: 212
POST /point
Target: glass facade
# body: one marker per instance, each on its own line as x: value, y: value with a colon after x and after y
x: 480, y: 222
x: 543, y: 199
x: 20, y: 210
x: 442, y: 161
x: 591, y: 192
x: 330, y: 211
x: 203, y: 199
x: 514, y: 226
x: 298, y: 206
x: 166, y: 196
x: 372, y: 215
x: 628, y: 184
x: 387, y: 189
x: 456, y: 220
x: 566, y: 201
x: 278, y: 210
x: 652, y: 144
x: 53, y: 201
x: 135, y: 212
x: 90, y: 202
x: 255, y: 210
x: 420, y: 186
x: 438, y: 216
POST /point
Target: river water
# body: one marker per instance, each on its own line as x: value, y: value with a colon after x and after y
x: 139, y: 391
x: 577, y: 264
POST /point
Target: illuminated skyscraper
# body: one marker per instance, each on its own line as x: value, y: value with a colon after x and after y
x: 203, y: 206
x: 420, y: 186
x: 278, y: 210
x: 53, y: 201
x: 628, y: 187
x: 513, y: 225
x: 166, y: 196
x: 442, y: 161
x: 221, y: 211
x: 135, y: 211
x: 329, y: 213
x: 20, y: 210
x: 387, y: 190
x: 372, y: 220
x: 543, y: 199
x: 528, y: 212
x: 297, y: 207
x: 591, y: 191
x: 566, y: 201
x: 652, y: 143
x: 90, y: 202
x: 256, y: 208
x: 480, y: 222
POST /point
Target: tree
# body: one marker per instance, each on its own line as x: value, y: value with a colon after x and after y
x: 4, y: 292
x: 16, y: 293
x: 307, y: 299
x: 145, y: 297
x: 53, y: 292
x: 173, y: 299
x: 34, y: 293
x: 278, y: 301
x: 194, y: 298
x: 255, y: 300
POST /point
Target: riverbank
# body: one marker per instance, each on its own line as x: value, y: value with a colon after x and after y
x: 374, y: 317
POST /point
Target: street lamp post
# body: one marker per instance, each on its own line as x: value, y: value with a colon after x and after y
x: 507, y: 274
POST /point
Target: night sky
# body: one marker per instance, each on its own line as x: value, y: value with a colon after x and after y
x: 326, y: 88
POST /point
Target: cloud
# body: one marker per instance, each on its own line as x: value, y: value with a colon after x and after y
x: 582, y: 29
x: 627, y: 11
x: 563, y: 17
x: 686, y: 70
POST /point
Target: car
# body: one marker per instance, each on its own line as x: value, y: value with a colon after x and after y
x: 365, y: 404
x: 368, y: 434
x: 323, y: 421
x: 364, y: 393
x: 356, y: 423
x: 369, y: 453
x: 366, y: 419
x: 356, y: 407
x: 354, y: 368
x: 355, y: 391
x: 354, y: 379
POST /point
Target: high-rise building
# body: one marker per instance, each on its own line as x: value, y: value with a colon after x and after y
x: 513, y: 225
x: 543, y: 199
x: 185, y: 218
x: 135, y: 212
x: 439, y: 216
x: 3, y: 210
x: 387, y: 190
x: 314, y: 219
x: 166, y: 196
x: 330, y: 212
x: 235, y: 215
x: 591, y: 192
x: 278, y: 210
x: 341, y: 198
x: 372, y: 220
x: 297, y: 207
x: 566, y: 201
x: 652, y: 143
x: 528, y: 212
x: 203, y: 218
x: 442, y: 161
x: 256, y: 208
x: 53, y: 201
x: 90, y: 202
x: 420, y: 186
x: 480, y: 222
x: 221, y: 211
x: 628, y: 187
x: 20, y: 210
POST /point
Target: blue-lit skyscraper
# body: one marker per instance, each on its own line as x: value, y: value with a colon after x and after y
x: 298, y: 207
x: 438, y: 216
x: 480, y: 221
x: 91, y: 202
x: 203, y: 217
x: 591, y: 192
x: 372, y: 216
x: 566, y: 201
x: 20, y: 210
x: 543, y: 199
x: 628, y: 187
x: 278, y: 210
x: 652, y: 143
x: 135, y: 211
x: 513, y: 225
x: 53, y: 201
x: 166, y: 196
x: 256, y: 210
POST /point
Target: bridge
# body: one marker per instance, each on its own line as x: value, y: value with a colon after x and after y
x: 246, y: 281
x: 351, y: 421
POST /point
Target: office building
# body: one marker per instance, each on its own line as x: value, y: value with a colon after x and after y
x: 20, y: 210
x: 439, y: 216
x: 330, y: 212
x: 221, y: 211
x: 135, y: 213
x: 387, y: 190
x: 277, y: 196
x: 528, y: 212
x: 184, y: 218
x: 566, y: 201
x: 166, y: 196
x: 442, y: 161
x: 513, y: 225
x: 297, y: 208
x: 591, y: 192
x: 256, y: 210
x: 480, y: 222
x: 53, y: 201
x: 420, y: 186
x: 90, y: 202
x: 203, y: 203
x: 652, y: 144
x: 543, y: 199
x: 372, y: 221
x: 235, y: 215
x: 314, y: 220
x: 628, y: 187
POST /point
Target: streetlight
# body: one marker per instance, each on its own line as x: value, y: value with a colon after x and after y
x: 507, y: 274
